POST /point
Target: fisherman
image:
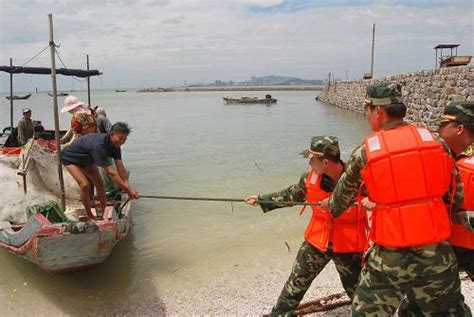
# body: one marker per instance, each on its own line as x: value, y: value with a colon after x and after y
x: 407, y: 172
x: 103, y: 123
x: 26, y: 129
x: 82, y: 158
x: 82, y: 120
x: 341, y: 240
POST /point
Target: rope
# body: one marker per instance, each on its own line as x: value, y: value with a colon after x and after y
x: 60, y: 59
x: 38, y: 54
x: 233, y: 200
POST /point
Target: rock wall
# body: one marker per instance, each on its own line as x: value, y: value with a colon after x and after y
x: 425, y: 93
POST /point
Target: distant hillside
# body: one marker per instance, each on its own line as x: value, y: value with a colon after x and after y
x: 281, y: 80
x: 271, y: 80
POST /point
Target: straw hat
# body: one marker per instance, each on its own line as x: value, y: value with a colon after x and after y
x: 70, y: 103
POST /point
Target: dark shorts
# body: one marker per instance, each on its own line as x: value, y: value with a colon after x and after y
x: 65, y: 161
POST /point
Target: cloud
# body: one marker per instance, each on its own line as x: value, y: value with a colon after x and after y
x: 167, y: 42
x: 173, y: 20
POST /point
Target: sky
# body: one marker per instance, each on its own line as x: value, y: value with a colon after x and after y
x: 163, y: 43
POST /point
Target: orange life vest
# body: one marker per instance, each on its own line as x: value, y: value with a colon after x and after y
x: 460, y: 236
x: 406, y: 175
x: 348, y: 233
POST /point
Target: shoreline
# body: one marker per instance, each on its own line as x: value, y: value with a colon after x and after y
x: 234, y: 88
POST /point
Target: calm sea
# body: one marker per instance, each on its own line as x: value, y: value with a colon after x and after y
x: 188, y: 144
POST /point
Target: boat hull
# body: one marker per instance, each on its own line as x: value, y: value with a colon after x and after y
x: 249, y: 100
x: 58, y: 248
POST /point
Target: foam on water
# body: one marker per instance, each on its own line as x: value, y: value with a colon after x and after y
x: 13, y: 202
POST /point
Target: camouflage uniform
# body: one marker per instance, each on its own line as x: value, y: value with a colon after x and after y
x: 465, y: 257
x: 310, y: 261
x: 428, y: 273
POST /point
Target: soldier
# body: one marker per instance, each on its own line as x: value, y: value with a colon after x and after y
x: 326, y: 239
x: 456, y: 127
x: 407, y: 172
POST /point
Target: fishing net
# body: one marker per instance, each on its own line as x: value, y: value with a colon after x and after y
x: 43, y: 169
x: 13, y: 201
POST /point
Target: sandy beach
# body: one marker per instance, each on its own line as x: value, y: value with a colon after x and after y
x: 256, y: 296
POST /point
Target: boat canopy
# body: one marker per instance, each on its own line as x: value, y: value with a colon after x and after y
x: 47, y: 71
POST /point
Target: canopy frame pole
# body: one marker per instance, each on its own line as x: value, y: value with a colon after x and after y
x: 11, y: 98
x: 88, y: 84
x: 55, y: 110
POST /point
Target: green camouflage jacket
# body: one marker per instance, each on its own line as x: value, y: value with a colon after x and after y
x: 419, y: 261
x: 296, y: 193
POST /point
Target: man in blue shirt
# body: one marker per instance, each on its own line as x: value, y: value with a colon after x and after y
x: 82, y: 157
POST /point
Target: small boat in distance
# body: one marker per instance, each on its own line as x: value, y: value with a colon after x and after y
x: 60, y: 94
x: 250, y: 100
x: 119, y: 90
x: 15, y: 97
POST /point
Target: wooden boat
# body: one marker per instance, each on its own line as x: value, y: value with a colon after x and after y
x: 57, y: 242
x: 455, y: 61
x: 117, y: 90
x: 250, y: 100
x: 15, y: 97
x: 54, y: 240
x: 60, y: 94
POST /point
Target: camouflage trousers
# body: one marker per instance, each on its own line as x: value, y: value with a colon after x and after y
x: 391, y: 274
x: 465, y: 257
x: 465, y: 260
x: 308, y: 264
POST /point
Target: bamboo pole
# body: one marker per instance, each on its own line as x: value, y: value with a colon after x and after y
x: 55, y: 111
x: 88, y: 84
x: 235, y: 200
x: 11, y: 99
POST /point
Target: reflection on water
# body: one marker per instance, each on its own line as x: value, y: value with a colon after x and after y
x: 189, y: 255
x: 112, y: 287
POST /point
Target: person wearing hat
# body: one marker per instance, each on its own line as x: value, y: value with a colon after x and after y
x: 456, y: 127
x: 25, y: 128
x: 407, y: 172
x: 326, y: 239
x: 82, y: 121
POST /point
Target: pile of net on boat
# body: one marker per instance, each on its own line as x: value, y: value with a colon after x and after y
x: 43, y: 171
x: 41, y: 179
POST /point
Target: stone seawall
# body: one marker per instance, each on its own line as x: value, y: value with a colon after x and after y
x: 425, y: 93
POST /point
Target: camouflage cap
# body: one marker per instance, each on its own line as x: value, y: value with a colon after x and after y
x: 324, y: 145
x: 469, y: 151
x: 460, y: 111
x: 384, y: 93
